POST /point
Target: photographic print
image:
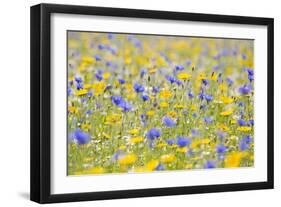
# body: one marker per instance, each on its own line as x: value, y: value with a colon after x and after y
x: 143, y: 103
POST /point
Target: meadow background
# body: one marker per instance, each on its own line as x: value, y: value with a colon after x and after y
x: 141, y: 103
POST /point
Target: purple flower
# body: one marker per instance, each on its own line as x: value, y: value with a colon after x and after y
x: 244, y: 143
x: 244, y: 90
x: 183, y: 141
x: 138, y: 88
x: 117, y: 100
x: 153, y: 133
x: 97, y: 57
x: 179, y: 67
x: 170, y: 141
x: 169, y: 122
x: 155, y: 89
x: 221, y: 148
x: 125, y: 106
x: 190, y: 94
x: 210, y: 164
x: 208, y: 120
x: 145, y: 97
x: 98, y: 76
x: 81, y: 137
x: 171, y: 79
x: 242, y: 122
x: 160, y: 167
x: 209, y: 97
x: 121, y: 81
x: 78, y: 79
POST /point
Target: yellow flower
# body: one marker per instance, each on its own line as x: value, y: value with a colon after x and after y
x: 96, y: 170
x: 202, y: 76
x: 150, y: 113
x: 99, y: 87
x: 106, y: 75
x: 87, y: 59
x: 163, y: 104
x: 168, y: 158
x: 193, y: 107
x: 233, y: 160
x: 223, y: 127
x: 172, y: 114
x: 122, y: 147
x: 226, y: 100
x: 136, y: 140
x: 131, y: 96
x: 183, y: 76
x: 160, y: 145
x: 227, y: 112
x: 151, y: 71
x: 105, y: 135
x: 81, y: 92
x: 85, y: 126
x: 73, y: 109
x: 244, y: 128
x: 127, y: 159
x: 151, y: 165
x: 222, y: 87
x: 213, y: 77
x: 189, y: 166
x: 133, y: 131
x: 113, y: 119
x: 87, y: 86
x: 165, y: 94
x: 179, y: 106
x: 182, y: 149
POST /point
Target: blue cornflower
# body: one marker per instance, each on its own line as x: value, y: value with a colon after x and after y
x: 97, y: 57
x: 251, y: 122
x: 79, y: 86
x: 143, y: 72
x: 171, y: 79
x: 208, y: 120
x: 125, y: 106
x: 244, y: 143
x: 194, y: 132
x: 244, y: 90
x: 145, y: 97
x: 90, y: 111
x: 160, y: 167
x: 117, y: 100
x: 241, y: 104
x: 194, y: 115
x: 153, y: 133
x: 210, y: 164
x: 183, y: 141
x: 155, y: 89
x: 169, y: 122
x: 242, y: 122
x: 121, y: 81
x: 190, y: 94
x: 229, y: 81
x: 138, y: 88
x: 98, y: 76
x: 101, y: 47
x: 78, y: 79
x: 143, y: 116
x: 178, y: 82
x: 201, y: 95
x: 221, y: 134
x: 69, y: 91
x: 81, y: 137
x: 221, y: 148
x: 179, y: 67
x: 244, y: 56
x: 209, y: 97
x: 170, y: 141
x: 205, y: 82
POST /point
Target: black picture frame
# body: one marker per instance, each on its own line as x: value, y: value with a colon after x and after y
x: 41, y: 99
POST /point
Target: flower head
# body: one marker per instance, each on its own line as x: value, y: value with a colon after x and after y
x: 153, y: 133
x: 81, y: 137
x: 169, y: 122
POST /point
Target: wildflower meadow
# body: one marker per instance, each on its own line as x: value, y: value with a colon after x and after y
x: 143, y: 103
